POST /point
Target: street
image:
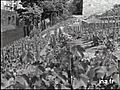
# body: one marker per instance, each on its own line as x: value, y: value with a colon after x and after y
x: 10, y: 36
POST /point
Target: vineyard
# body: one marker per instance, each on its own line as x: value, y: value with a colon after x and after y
x: 61, y: 58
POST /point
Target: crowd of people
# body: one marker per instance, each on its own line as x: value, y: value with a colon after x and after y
x: 23, y: 67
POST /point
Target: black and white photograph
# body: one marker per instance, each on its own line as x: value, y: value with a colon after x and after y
x: 60, y: 44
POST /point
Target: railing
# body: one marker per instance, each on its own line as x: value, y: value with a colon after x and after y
x: 117, y: 16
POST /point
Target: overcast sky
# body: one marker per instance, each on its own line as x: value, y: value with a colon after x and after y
x: 97, y: 6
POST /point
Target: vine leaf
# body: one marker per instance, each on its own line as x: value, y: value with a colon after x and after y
x: 111, y: 70
x: 78, y: 83
x: 101, y: 71
x: 116, y: 78
x: 22, y: 81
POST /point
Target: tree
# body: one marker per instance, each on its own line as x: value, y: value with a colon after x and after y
x: 78, y: 7
x: 31, y: 12
x: 37, y: 10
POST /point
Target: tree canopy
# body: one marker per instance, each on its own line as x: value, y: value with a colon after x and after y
x: 36, y: 9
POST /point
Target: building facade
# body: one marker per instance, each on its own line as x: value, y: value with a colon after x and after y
x: 111, y: 20
x: 8, y: 15
x: 8, y: 20
x: 106, y: 24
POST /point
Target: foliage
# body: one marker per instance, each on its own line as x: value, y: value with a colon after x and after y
x: 35, y: 10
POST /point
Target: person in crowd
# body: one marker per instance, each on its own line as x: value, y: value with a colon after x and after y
x: 95, y: 40
x: 10, y: 67
x: 31, y: 27
x: 26, y: 27
x: 109, y: 44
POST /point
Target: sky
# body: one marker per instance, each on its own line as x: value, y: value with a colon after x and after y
x: 4, y: 2
x: 97, y: 6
